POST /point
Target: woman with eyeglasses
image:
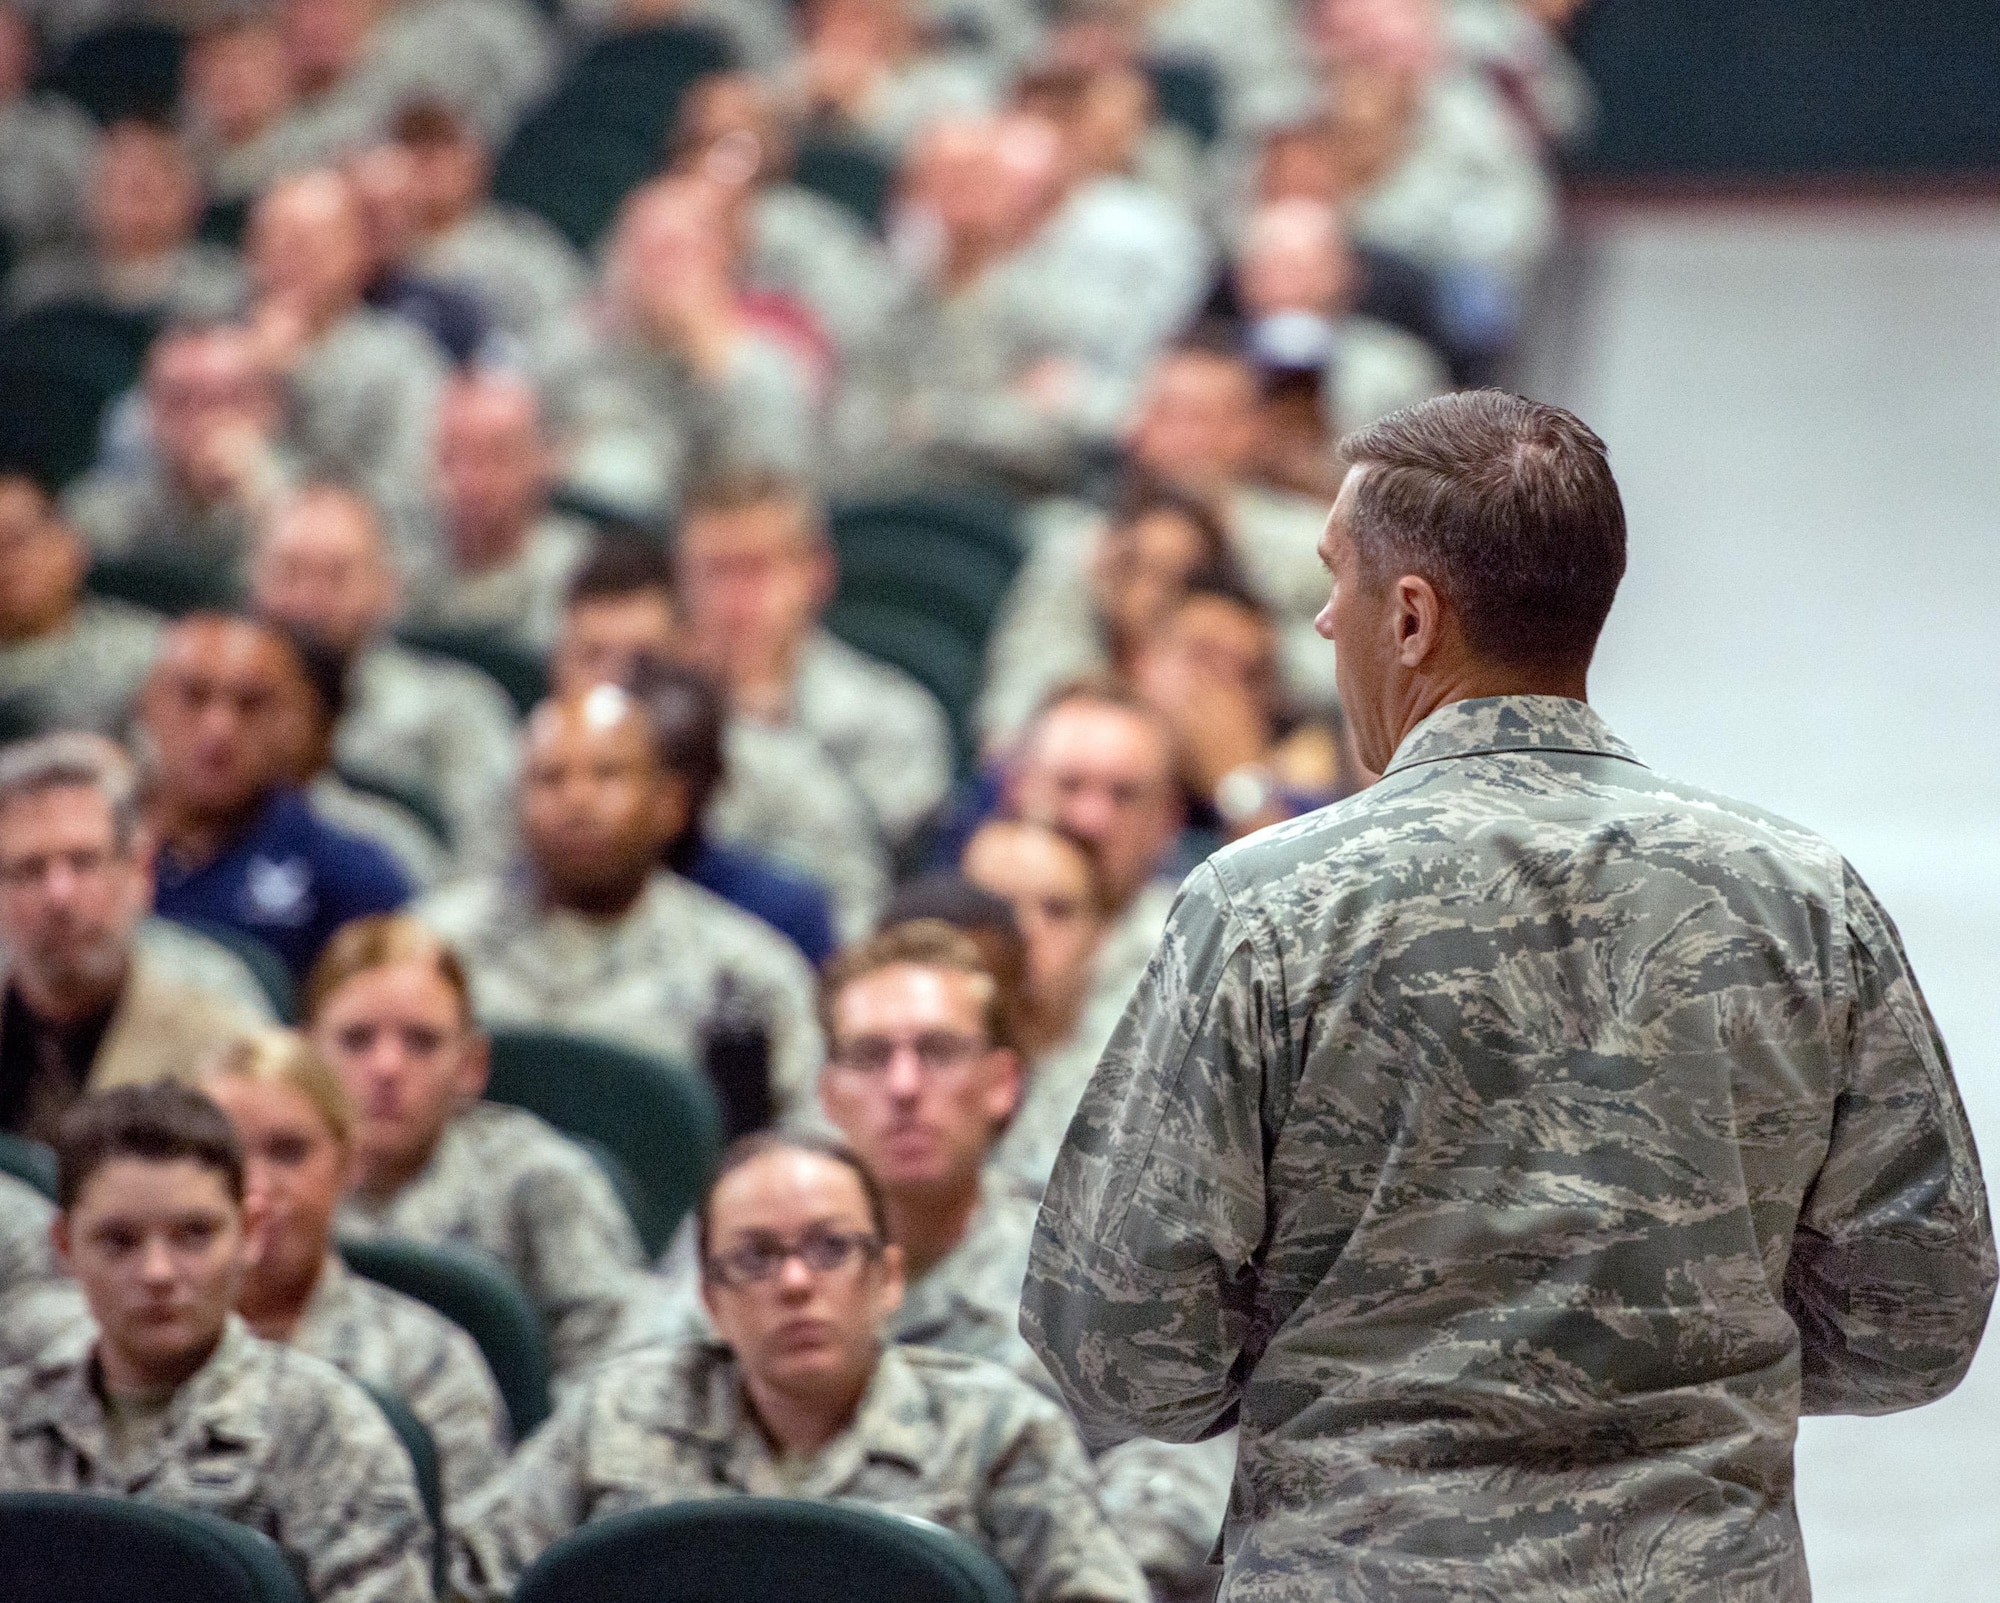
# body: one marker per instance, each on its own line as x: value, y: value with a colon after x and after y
x: 800, y: 1397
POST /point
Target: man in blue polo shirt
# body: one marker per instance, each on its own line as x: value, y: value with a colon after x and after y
x: 237, y: 846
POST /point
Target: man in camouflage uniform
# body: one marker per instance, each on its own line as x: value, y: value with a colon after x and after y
x: 186, y: 1407
x: 792, y: 1232
x: 1516, y: 1149
x: 589, y: 933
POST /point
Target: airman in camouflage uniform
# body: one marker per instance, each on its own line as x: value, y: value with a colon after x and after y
x: 38, y: 1302
x: 942, y: 1437
x: 261, y: 1435
x: 398, y: 1345
x: 1516, y: 1149
x: 503, y: 1183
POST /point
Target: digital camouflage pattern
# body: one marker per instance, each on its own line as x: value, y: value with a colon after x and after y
x: 26, y: 1256
x: 1516, y: 1149
x: 882, y: 729
x: 505, y: 1184
x: 945, y: 1438
x: 675, y: 966
x: 397, y: 1344
x: 262, y: 1435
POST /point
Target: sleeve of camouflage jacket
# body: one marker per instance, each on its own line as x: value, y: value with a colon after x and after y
x: 460, y: 1405
x: 583, y: 1265
x: 1043, y: 1522
x: 537, y: 1500
x: 1892, y: 1266
x: 1137, y: 1296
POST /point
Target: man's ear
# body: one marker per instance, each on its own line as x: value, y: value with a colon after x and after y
x: 1419, y: 620
x: 1007, y: 1086
x: 59, y: 1239
x: 475, y: 1067
x: 889, y: 1297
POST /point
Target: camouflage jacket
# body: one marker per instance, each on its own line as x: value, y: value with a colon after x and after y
x: 658, y: 979
x: 1516, y: 1149
x: 881, y: 728
x: 503, y: 1183
x: 397, y: 1344
x: 262, y: 1435
x: 945, y: 1438
x: 26, y: 1257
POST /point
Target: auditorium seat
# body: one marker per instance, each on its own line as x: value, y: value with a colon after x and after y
x: 82, y: 1548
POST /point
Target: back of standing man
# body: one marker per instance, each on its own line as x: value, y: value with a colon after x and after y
x: 1515, y: 1149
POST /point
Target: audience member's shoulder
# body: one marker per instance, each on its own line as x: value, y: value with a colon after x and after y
x: 444, y: 688
x: 464, y: 908
x: 960, y: 1385
x: 721, y: 929
x: 514, y: 1140
x: 175, y: 956
x: 860, y: 678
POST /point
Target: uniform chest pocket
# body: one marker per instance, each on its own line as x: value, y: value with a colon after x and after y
x: 220, y: 1478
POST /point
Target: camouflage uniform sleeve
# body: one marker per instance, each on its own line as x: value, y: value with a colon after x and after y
x: 583, y: 1261
x: 1043, y: 1523
x: 536, y: 1501
x: 1138, y: 1284
x: 1167, y: 1500
x: 461, y: 1407
x: 345, y: 1501
x: 1892, y: 1268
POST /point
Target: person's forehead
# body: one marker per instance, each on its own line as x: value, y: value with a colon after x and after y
x: 230, y: 653
x: 327, y: 528
x: 1011, y: 858
x: 1101, y: 739
x: 909, y: 996
x: 22, y: 506
x: 760, y: 525
x: 152, y: 1188
x: 589, y: 730
x: 489, y: 407
x: 785, y: 1189
x: 68, y: 812
x: 1218, y: 619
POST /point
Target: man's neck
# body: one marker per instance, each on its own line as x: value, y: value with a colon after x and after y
x: 273, y: 1305
x: 927, y: 1225
x: 49, y: 624
x: 600, y: 904
x: 69, y: 999
x: 802, y: 1425
x: 131, y: 1376
x: 476, y: 550
x: 1477, y: 681
x: 197, y: 839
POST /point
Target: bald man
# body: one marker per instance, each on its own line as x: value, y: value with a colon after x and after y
x: 495, y: 556
x: 593, y: 935
x: 237, y: 845
x: 322, y: 569
x: 362, y: 385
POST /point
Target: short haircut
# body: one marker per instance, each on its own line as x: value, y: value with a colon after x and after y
x: 622, y: 563
x: 1099, y: 690
x: 724, y: 493
x: 746, y: 1150
x: 380, y: 941
x: 427, y: 123
x: 919, y: 943
x: 1508, y: 507
x: 1144, y: 497
x: 688, y: 712
x: 159, y: 1123
x: 1082, y: 846
x: 73, y: 760
x: 287, y: 1058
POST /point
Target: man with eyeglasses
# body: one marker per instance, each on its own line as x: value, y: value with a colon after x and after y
x: 93, y: 993
x: 801, y: 1398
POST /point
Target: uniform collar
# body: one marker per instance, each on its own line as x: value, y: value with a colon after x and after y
x: 1489, y: 724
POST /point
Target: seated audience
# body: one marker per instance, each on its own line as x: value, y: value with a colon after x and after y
x: 792, y: 1238
x: 238, y: 845
x: 1052, y: 881
x: 688, y: 718
x: 92, y: 997
x: 781, y: 794
x: 666, y: 378
x: 1084, y: 600
x: 491, y: 554
x: 590, y: 933
x: 389, y: 1008
x: 385, y: 183
x: 218, y: 453
x: 1100, y: 763
x: 756, y: 571
x: 295, y: 1123
x: 235, y: 101
x: 524, y: 273
x: 163, y: 1395
x: 361, y: 385
x: 866, y: 69
x: 68, y: 660
x: 440, y: 727
x: 45, y: 148
x: 139, y: 254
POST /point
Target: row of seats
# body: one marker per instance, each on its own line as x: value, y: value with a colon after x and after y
x: 58, y: 1545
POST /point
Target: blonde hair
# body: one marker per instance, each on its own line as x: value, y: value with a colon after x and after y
x: 383, y: 940
x: 286, y: 1058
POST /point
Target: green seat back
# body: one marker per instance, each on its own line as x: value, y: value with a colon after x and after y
x: 519, y: 672
x: 415, y: 800
x: 937, y: 657
x: 771, y: 1549
x: 602, y: 133
x: 61, y: 365
x: 130, y: 69
x: 81, y: 1548
x: 169, y: 582
x: 265, y: 966
x: 658, y: 1118
x: 849, y: 174
x: 29, y: 1162
x: 1188, y: 91
x: 480, y: 1297
x: 418, y: 1443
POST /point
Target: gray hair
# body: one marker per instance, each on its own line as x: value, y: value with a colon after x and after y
x: 71, y: 759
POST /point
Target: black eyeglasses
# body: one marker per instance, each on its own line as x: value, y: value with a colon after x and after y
x: 761, y: 1258
x: 938, y: 1052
